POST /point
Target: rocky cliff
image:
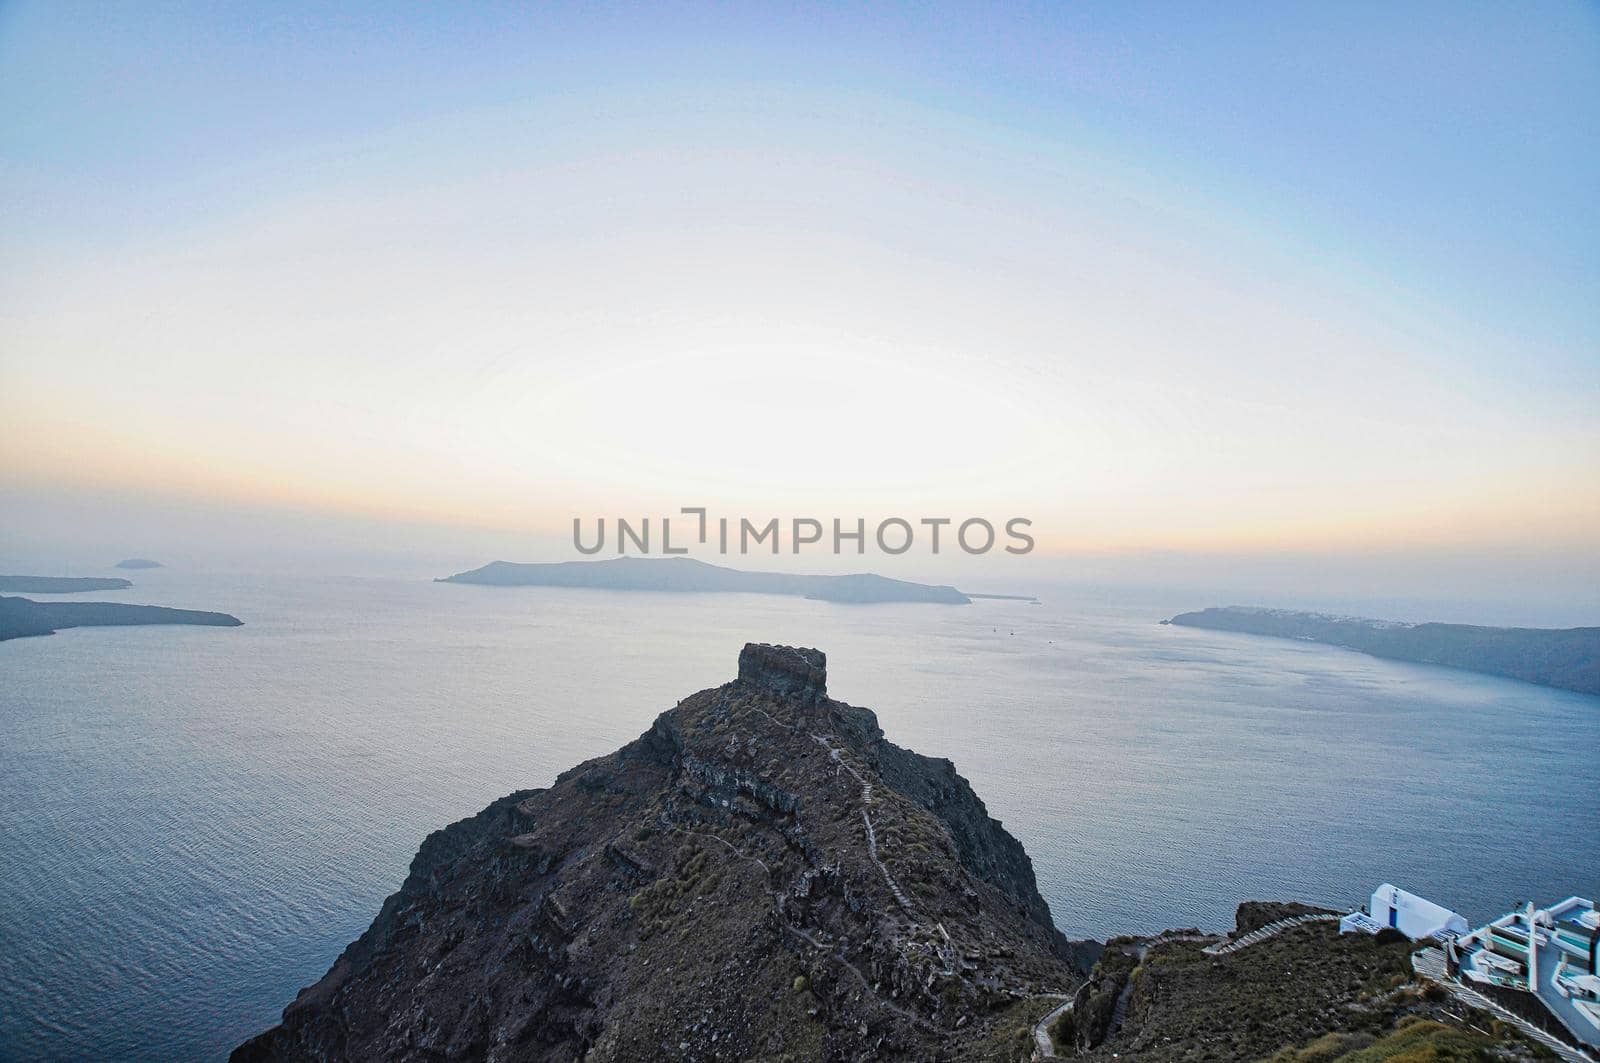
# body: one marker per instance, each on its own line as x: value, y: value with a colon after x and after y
x: 761, y: 875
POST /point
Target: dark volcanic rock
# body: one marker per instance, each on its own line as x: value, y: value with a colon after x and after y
x: 784, y: 671
x: 759, y: 876
x: 1253, y: 915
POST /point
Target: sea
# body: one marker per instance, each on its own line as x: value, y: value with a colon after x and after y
x: 195, y: 821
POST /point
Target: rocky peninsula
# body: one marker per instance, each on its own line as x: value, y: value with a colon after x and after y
x: 761, y: 875
x: 22, y: 617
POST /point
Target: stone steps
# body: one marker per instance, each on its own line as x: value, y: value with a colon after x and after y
x: 1119, y: 1014
x: 872, y: 851
x: 1271, y: 930
x: 1043, y: 1046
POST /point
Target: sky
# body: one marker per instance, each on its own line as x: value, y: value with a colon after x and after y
x: 1308, y: 294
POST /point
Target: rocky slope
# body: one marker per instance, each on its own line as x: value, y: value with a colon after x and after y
x: 759, y: 876
x: 1305, y: 995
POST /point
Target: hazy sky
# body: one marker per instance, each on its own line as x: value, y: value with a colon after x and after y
x: 1163, y: 277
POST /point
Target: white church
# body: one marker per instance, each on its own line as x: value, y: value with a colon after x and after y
x: 1415, y: 917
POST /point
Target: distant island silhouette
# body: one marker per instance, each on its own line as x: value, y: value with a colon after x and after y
x: 138, y: 562
x: 1566, y: 658
x: 62, y: 584
x: 22, y: 617
x: 683, y: 574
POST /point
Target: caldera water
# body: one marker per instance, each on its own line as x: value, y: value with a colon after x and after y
x: 197, y: 820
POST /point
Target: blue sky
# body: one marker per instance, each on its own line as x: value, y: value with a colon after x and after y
x: 1316, y: 275
x: 1458, y: 141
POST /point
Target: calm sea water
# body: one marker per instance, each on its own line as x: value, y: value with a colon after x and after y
x: 196, y: 821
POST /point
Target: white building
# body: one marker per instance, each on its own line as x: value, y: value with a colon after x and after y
x: 1415, y: 917
x: 1552, y: 953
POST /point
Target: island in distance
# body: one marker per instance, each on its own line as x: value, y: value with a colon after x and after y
x: 1567, y: 658
x: 22, y: 617
x: 62, y: 584
x: 688, y: 575
x: 138, y: 562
